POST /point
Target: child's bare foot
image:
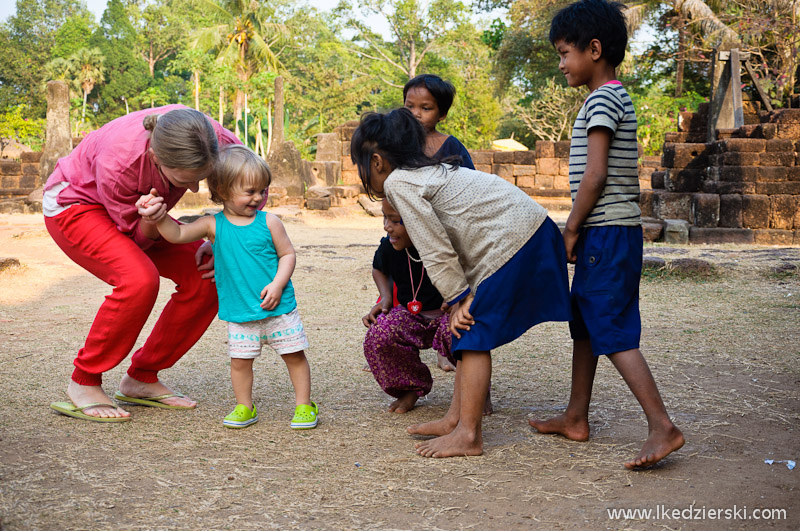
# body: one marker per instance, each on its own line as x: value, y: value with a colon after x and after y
x: 438, y: 428
x: 460, y: 442
x: 93, y: 394
x: 444, y: 364
x: 405, y: 403
x: 657, y: 446
x: 136, y: 389
x: 572, y: 429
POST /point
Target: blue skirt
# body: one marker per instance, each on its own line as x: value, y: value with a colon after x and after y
x: 531, y: 288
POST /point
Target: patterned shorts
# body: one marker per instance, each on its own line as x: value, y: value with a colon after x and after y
x: 284, y: 333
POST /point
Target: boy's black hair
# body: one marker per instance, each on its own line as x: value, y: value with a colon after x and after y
x: 398, y: 137
x: 580, y: 23
x: 442, y: 91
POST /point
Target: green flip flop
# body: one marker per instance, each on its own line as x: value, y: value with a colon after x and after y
x: 153, y: 401
x: 71, y: 410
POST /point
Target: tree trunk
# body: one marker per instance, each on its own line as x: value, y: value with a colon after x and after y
x: 221, y: 103
x: 412, y: 58
x: 681, y: 22
x: 83, y: 113
x: 197, y: 90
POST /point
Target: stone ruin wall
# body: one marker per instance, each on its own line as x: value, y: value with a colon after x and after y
x: 743, y: 188
x: 18, y: 178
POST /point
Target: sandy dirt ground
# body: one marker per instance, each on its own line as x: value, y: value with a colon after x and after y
x: 723, y: 349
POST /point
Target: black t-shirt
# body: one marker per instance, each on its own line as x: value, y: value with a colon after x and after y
x: 394, y: 264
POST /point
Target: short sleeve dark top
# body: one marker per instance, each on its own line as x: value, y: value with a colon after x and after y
x: 394, y: 264
x: 452, y: 146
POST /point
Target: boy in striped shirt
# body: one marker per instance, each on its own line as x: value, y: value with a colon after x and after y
x: 603, y: 234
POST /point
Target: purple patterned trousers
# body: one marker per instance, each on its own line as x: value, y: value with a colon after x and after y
x: 392, y: 348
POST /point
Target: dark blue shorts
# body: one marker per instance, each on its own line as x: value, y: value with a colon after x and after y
x: 605, y: 288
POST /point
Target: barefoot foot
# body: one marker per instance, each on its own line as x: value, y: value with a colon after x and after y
x: 80, y: 395
x: 404, y: 404
x: 458, y: 443
x: 657, y: 446
x: 444, y: 364
x: 437, y: 428
x: 136, y: 389
x: 572, y: 429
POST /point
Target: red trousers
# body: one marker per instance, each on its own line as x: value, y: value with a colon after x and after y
x: 91, y: 239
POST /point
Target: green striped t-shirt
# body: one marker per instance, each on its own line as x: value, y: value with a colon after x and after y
x: 609, y: 106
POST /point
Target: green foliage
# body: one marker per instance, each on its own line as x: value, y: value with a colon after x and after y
x: 657, y: 114
x: 14, y: 125
x: 72, y: 36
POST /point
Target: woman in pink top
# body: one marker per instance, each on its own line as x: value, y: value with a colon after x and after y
x: 91, y: 213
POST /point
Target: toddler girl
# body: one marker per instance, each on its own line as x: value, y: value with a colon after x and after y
x: 254, y: 263
x: 489, y: 249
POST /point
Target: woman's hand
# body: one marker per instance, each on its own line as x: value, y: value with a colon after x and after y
x: 460, y: 318
x: 372, y: 317
x: 205, y: 250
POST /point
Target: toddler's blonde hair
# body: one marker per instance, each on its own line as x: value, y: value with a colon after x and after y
x: 182, y: 138
x: 237, y: 168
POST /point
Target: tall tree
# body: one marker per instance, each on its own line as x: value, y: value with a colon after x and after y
x: 87, y: 64
x: 162, y: 27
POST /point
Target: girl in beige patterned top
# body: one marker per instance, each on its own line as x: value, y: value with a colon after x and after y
x: 489, y: 249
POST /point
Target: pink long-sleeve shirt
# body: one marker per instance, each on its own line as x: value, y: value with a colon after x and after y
x: 111, y: 167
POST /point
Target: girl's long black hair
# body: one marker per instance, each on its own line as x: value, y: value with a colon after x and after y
x: 398, y: 137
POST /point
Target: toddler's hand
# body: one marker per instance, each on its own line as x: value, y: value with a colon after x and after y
x: 271, y: 295
x: 372, y: 317
x: 151, y: 207
x: 460, y: 318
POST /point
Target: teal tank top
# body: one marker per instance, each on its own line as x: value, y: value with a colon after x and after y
x: 245, y: 261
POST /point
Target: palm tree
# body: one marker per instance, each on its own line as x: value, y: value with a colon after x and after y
x: 244, y: 39
x: 88, y: 65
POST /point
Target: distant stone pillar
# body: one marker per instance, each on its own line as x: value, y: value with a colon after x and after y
x: 277, y: 126
x: 58, y: 142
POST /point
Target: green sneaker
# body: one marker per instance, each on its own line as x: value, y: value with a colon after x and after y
x: 241, y: 417
x: 305, y: 417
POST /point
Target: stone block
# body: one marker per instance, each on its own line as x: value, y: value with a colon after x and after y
x: 326, y: 172
x: 9, y: 181
x: 790, y: 131
x: 653, y: 262
x: 755, y: 211
x: 318, y: 203
x: 685, y: 156
x: 485, y: 168
x: 780, y: 144
x: 793, y: 173
x: 30, y: 168
x: 347, y: 164
x: 562, y: 149
x: 563, y: 167
x: 673, y: 205
x: 776, y: 159
x: 544, y: 182
x: 738, y: 174
x: 527, y: 158
x: 732, y: 188
x: 772, y: 174
x: 730, y: 211
x: 350, y: 177
x: 782, y: 210
x: 329, y: 147
x: 10, y: 167
x: 30, y: 156
x: 692, y: 122
x: 652, y: 232
x: 685, y: 137
x: 686, y: 180
x: 749, y: 131
x: 646, y: 199
x: 314, y: 192
x: 547, y: 166
x: 792, y: 188
x: 796, y: 240
x: 676, y: 231
x: 28, y: 182
x: 482, y: 157
x: 698, y: 235
x: 645, y: 183
x: 755, y: 145
x: 657, y: 180
x: 561, y: 182
x: 739, y: 158
x: 524, y: 170
x: 545, y: 149
x: 346, y: 191
x: 705, y: 210
x: 785, y: 116
x: 346, y: 149
x: 506, y: 171
x: 503, y: 157
x: 651, y: 162
x: 526, y: 181
x: 511, y: 179
x: 773, y: 237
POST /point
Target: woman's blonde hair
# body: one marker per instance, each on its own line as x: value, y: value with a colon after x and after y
x: 182, y: 138
x: 237, y: 168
